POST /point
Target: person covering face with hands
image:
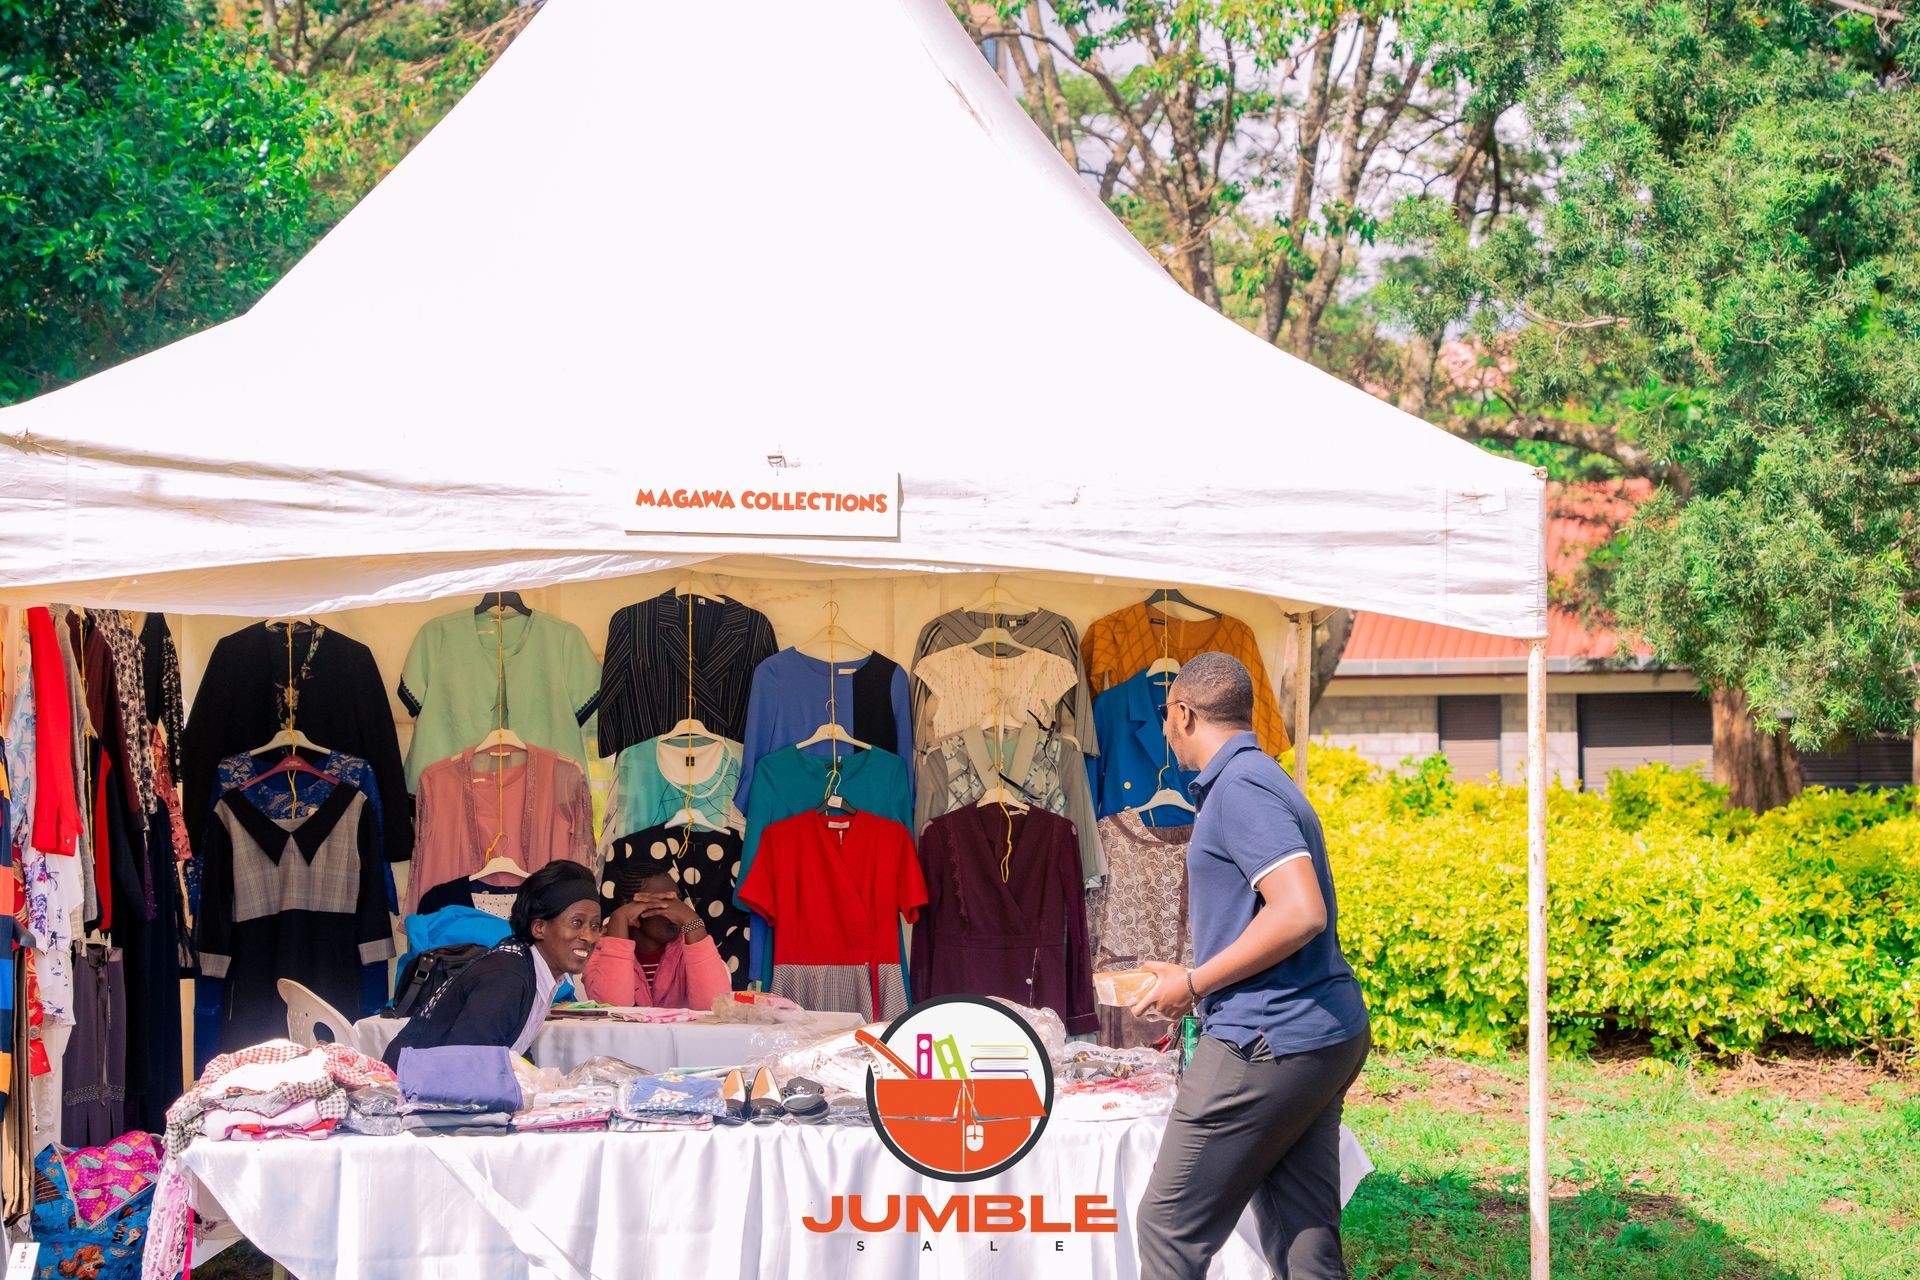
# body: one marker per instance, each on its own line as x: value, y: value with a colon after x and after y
x: 655, y: 952
x: 1284, y: 1030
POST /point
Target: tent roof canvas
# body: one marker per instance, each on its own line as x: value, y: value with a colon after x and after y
x: 604, y: 269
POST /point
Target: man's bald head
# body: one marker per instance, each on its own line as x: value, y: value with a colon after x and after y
x: 1219, y: 689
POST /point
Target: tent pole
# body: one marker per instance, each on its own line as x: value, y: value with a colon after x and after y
x: 1537, y: 956
x: 1302, y: 692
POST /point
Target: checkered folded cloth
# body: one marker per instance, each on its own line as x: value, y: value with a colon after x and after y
x: 271, y: 1077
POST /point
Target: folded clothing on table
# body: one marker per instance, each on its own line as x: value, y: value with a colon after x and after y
x: 314, y: 1118
x: 266, y: 1080
x: 430, y: 1124
x: 649, y: 1097
x: 562, y: 1118
x: 459, y: 1077
x: 659, y: 1123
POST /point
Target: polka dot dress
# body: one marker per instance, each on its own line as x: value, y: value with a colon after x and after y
x: 706, y: 872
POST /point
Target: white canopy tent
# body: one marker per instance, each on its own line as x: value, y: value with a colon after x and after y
x: 607, y: 271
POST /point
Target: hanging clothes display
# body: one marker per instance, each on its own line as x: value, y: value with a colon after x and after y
x: 655, y: 779
x: 1040, y: 629
x: 1139, y: 913
x: 1127, y: 641
x: 452, y: 685
x: 1044, y: 768
x: 836, y: 887
x: 338, y: 701
x: 531, y: 809
x: 79, y: 729
x: 792, y: 692
x: 291, y: 898
x: 1137, y: 762
x: 94, y: 1094
x: 706, y: 866
x: 56, y: 793
x: 970, y: 689
x: 1006, y: 912
x: 792, y: 781
x: 644, y: 682
x: 160, y: 663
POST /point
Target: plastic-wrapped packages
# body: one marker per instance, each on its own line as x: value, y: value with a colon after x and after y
x: 1113, y: 1098
x: 771, y: 1010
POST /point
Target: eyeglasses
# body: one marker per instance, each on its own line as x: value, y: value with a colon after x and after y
x: 1165, y: 705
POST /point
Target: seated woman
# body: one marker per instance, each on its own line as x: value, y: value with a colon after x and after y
x: 656, y: 952
x: 502, y: 997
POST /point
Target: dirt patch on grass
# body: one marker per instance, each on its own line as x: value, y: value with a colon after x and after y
x: 1448, y: 1085
x: 1812, y: 1079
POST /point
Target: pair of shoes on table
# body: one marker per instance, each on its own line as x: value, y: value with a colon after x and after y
x: 758, y: 1103
x: 763, y: 1102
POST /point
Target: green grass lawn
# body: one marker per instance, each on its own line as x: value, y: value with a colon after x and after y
x: 1797, y: 1170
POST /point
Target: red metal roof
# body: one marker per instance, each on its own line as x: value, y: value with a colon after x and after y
x: 1579, y: 517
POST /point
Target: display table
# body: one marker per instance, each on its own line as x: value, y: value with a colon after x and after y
x: 565, y: 1043
x: 720, y: 1202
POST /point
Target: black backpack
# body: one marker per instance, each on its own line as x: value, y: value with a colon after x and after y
x: 426, y: 973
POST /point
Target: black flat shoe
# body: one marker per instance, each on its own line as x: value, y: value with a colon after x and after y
x: 804, y: 1099
x: 763, y: 1103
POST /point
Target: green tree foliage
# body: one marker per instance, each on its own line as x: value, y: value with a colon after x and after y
x: 1724, y: 290
x: 147, y: 189
x: 158, y: 171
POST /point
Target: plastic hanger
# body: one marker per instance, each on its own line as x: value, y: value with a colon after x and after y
x: 290, y: 738
x: 1003, y: 796
x: 1172, y: 595
x: 832, y: 732
x: 836, y: 643
x: 999, y: 602
x: 289, y: 763
x: 502, y: 600
x: 501, y: 866
x: 502, y: 740
x: 1166, y: 797
x: 1164, y: 667
x: 691, y: 729
x: 690, y: 586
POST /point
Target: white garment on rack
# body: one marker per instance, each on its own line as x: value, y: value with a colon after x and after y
x: 963, y: 682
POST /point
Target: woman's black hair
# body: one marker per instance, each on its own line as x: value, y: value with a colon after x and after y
x: 548, y: 892
x: 631, y: 877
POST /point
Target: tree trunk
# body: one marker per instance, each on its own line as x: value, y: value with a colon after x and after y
x: 1761, y: 768
x: 1329, y: 642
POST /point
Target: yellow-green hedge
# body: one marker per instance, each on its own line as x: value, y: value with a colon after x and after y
x: 1669, y: 914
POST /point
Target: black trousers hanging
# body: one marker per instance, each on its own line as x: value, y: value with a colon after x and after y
x: 151, y: 948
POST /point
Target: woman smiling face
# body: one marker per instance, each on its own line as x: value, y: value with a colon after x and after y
x: 566, y: 940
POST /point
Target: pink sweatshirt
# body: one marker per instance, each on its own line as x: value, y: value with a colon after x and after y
x: 691, y: 975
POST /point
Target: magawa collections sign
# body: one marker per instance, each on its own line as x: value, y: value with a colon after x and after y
x: 794, y: 502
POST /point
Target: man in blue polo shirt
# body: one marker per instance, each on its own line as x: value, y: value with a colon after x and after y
x: 1283, y: 1026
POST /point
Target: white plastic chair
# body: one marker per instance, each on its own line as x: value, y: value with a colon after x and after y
x: 305, y: 1011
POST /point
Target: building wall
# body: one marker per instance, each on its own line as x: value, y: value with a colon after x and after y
x: 1388, y: 728
x: 1563, y: 739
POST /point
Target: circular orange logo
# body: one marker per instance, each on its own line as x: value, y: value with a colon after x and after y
x: 965, y: 1087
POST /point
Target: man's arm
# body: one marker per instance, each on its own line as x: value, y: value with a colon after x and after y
x: 1291, y: 915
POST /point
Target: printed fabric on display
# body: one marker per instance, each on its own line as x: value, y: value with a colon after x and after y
x: 706, y: 866
x: 1040, y: 629
x: 1139, y: 913
x: 645, y: 679
x: 1042, y: 768
x: 1127, y: 641
x: 109, y: 1247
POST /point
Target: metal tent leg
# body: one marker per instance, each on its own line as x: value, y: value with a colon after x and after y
x: 1537, y: 957
x: 1302, y: 692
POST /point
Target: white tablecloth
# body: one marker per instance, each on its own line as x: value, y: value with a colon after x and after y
x: 722, y: 1202
x: 565, y: 1043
